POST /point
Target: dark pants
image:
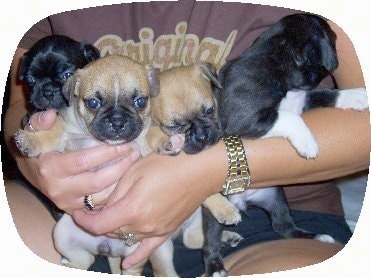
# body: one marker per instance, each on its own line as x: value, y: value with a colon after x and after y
x: 255, y: 227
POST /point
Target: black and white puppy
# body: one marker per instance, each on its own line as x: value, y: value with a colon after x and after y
x: 264, y: 92
x: 48, y: 64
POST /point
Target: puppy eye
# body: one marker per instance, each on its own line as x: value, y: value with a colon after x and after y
x: 30, y: 80
x: 209, y: 111
x: 66, y: 75
x: 140, y: 102
x: 175, y: 129
x: 93, y: 103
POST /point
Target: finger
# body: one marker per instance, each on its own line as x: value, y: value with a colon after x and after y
x: 103, y: 221
x: 42, y: 120
x: 105, y: 176
x: 81, y: 161
x: 145, y: 248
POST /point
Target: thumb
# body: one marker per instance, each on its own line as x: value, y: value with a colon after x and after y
x: 144, y: 250
x: 42, y: 120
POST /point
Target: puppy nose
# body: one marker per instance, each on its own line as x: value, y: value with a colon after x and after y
x: 117, y: 120
x: 49, y: 94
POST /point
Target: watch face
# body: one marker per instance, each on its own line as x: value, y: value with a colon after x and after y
x: 236, y: 185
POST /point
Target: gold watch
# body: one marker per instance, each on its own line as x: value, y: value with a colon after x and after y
x: 238, y: 175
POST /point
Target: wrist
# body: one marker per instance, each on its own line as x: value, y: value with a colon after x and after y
x: 238, y: 177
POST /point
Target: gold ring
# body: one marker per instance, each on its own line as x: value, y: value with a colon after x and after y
x: 128, y: 238
x: 88, y: 202
x: 30, y: 125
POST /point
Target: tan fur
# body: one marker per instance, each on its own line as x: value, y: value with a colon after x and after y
x: 117, y: 79
x: 184, y: 92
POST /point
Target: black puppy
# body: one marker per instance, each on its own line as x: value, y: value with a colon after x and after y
x: 264, y: 92
x: 48, y: 64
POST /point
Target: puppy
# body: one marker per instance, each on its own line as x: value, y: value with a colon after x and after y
x: 48, y: 64
x: 186, y: 112
x: 264, y: 92
x: 110, y: 102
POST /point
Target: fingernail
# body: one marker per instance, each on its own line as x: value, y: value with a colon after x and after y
x: 42, y: 116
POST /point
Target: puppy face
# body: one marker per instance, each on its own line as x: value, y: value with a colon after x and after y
x: 186, y: 105
x: 48, y: 64
x: 112, y: 97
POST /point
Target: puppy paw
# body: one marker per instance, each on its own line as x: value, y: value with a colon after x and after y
x: 292, y: 127
x: 231, y: 239
x: 353, y: 99
x: 65, y: 262
x: 24, y: 143
x: 173, y: 146
x: 324, y: 238
x: 229, y: 215
x: 306, y: 147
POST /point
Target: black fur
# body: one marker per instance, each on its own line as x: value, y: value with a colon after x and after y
x: 295, y: 53
x: 320, y: 98
x: 202, y: 132
x: 48, y: 64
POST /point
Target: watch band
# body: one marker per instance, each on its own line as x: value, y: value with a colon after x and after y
x: 238, y: 175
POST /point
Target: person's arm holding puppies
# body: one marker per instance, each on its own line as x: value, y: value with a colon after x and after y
x: 157, y: 202
x: 65, y: 185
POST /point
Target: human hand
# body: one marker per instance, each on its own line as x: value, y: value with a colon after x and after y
x: 65, y: 177
x: 152, y: 199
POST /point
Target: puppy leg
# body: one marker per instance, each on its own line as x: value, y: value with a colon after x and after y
x: 161, y: 143
x: 193, y: 236
x: 273, y: 201
x: 41, y: 142
x: 115, y: 264
x: 162, y: 260
x: 211, y: 250
x: 292, y: 127
x: 345, y: 99
x: 222, y: 209
x: 67, y: 237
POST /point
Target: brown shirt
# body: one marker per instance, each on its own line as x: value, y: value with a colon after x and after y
x: 168, y: 34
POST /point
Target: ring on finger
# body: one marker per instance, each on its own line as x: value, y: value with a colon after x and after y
x: 30, y: 125
x: 128, y: 238
x: 88, y: 202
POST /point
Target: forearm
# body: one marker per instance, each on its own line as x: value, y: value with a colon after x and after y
x: 344, y: 139
x: 17, y: 103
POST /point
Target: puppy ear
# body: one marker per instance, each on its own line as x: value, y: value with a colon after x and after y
x: 23, y: 66
x: 329, y: 56
x: 209, y: 72
x: 91, y: 53
x: 71, y: 87
x: 154, y: 80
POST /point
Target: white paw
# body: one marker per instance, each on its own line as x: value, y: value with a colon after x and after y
x: 305, y: 145
x: 292, y: 127
x: 324, y: 238
x: 222, y: 273
x: 353, y: 99
x: 231, y: 238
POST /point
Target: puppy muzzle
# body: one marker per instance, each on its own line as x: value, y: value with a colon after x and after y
x: 116, y: 126
x: 48, y: 95
x: 202, y: 133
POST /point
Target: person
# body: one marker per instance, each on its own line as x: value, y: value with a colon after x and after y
x: 139, y: 195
